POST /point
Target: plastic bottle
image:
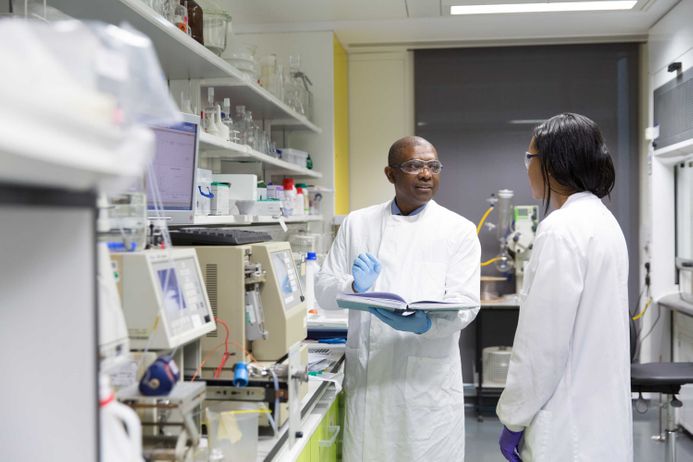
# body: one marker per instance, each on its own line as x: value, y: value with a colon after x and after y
x: 306, y: 198
x: 289, y: 197
x: 312, y: 269
x: 121, y: 429
x: 300, y: 204
x: 309, y: 163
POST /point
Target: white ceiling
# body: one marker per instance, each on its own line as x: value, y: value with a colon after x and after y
x: 414, y: 23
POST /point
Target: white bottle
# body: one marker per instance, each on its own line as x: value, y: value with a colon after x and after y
x: 121, y: 429
x: 299, y: 207
x: 312, y: 269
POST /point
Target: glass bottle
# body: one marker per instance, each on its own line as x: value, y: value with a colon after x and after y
x: 240, y: 123
x: 209, y: 112
x: 195, y: 20
x: 249, y: 127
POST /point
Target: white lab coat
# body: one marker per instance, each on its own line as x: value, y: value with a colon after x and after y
x: 568, y: 384
x: 405, y: 399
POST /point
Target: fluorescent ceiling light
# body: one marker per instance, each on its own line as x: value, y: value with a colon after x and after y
x: 526, y: 121
x: 543, y: 7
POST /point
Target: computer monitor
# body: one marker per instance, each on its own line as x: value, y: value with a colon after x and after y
x: 164, y: 298
x: 174, y: 169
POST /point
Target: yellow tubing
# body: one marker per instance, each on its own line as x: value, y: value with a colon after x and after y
x: 642, y: 313
x: 483, y: 219
x: 488, y: 262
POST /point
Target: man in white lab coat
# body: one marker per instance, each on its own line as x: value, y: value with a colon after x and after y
x: 405, y: 399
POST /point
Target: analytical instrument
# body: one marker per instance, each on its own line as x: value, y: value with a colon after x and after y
x: 164, y: 298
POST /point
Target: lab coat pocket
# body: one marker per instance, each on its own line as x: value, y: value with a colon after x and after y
x: 536, y: 439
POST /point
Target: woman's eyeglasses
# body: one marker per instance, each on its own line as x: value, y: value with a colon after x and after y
x: 528, y: 157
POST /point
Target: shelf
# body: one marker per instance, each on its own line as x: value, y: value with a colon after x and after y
x: 263, y: 104
x: 183, y: 58
x: 213, y: 146
x: 246, y: 220
x: 676, y: 151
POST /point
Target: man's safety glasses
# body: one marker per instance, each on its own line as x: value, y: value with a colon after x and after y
x: 415, y: 167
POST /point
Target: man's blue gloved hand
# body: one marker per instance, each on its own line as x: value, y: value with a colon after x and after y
x: 509, y: 444
x: 365, y: 270
x: 418, y: 323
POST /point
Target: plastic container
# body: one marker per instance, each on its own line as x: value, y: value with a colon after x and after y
x: 220, y: 202
x: 127, y: 219
x: 294, y: 156
x: 233, y: 431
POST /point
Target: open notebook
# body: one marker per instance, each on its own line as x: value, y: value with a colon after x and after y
x: 394, y: 302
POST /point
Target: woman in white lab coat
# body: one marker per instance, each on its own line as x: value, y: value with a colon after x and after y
x: 567, y: 396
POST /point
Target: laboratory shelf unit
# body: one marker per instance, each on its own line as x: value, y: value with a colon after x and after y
x: 183, y: 58
x: 212, y: 146
x: 263, y: 104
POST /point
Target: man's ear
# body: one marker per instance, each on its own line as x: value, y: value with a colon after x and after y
x: 390, y: 174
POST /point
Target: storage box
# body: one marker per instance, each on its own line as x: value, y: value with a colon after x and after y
x: 268, y: 208
x: 242, y: 187
x: 220, y: 202
x: 294, y: 156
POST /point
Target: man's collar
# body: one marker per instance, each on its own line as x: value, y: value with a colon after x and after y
x: 396, y: 211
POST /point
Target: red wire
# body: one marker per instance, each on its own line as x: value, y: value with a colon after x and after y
x: 226, y: 355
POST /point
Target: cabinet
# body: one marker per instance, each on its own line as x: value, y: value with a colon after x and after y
x: 325, y: 445
x: 683, y: 352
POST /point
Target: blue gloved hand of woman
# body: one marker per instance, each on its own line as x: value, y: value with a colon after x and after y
x: 509, y: 444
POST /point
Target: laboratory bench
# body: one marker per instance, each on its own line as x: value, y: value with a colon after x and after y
x: 494, y: 325
x: 321, y: 425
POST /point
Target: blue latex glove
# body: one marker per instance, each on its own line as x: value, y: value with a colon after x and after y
x: 418, y: 323
x: 365, y: 270
x: 509, y: 444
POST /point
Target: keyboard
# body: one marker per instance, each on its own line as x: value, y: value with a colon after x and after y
x: 216, y: 236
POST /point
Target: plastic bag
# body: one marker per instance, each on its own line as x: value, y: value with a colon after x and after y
x: 74, y: 63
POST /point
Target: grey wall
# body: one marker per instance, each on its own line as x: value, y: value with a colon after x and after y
x: 476, y: 106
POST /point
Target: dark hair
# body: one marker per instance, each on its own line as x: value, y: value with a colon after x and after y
x: 573, y: 153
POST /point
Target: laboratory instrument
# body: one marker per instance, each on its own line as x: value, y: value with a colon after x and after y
x: 172, y: 182
x: 164, y: 298
x: 261, y: 310
x: 217, y: 236
x: 515, y: 228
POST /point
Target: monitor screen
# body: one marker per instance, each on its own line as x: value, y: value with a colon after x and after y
x: 173, y: 167
x: 185, y: 307
x: 285, y: 271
